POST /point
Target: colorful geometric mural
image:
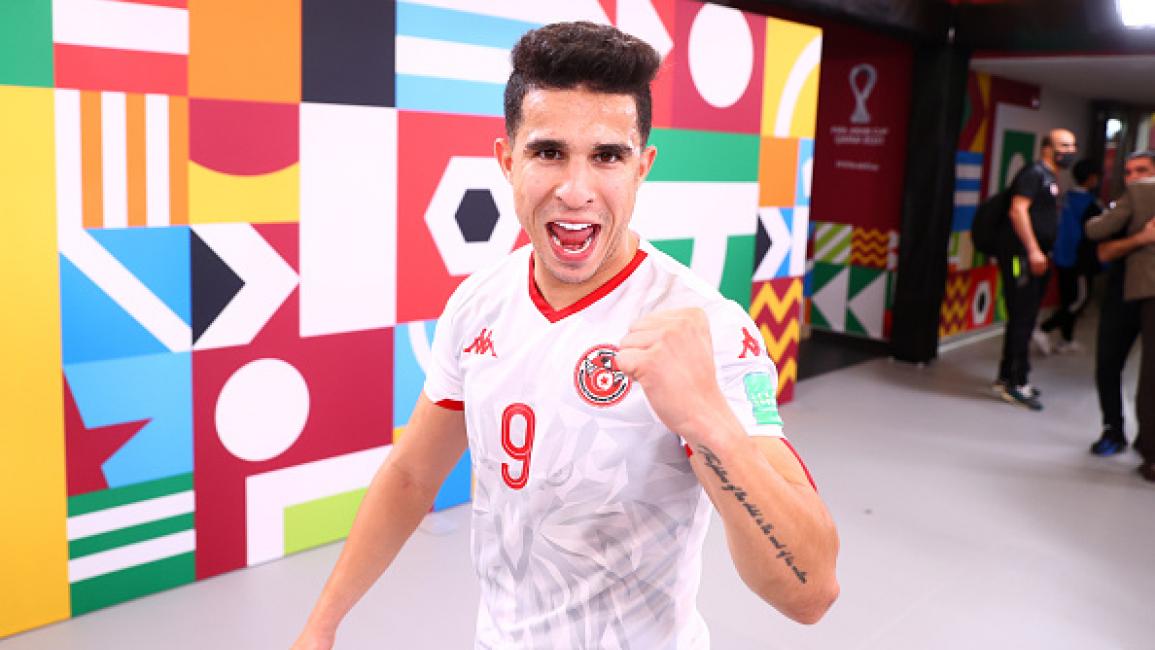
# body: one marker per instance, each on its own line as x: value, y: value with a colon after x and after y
x: 776, y: 308
x: 236, y: 223
x: 972, y: 297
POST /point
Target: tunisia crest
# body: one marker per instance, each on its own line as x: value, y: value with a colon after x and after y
x: 598, y: 380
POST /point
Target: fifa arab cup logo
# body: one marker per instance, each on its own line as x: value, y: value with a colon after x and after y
x: 862, y: 79
x: 597, y: 377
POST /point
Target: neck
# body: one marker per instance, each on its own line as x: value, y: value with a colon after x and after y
x: 1049, y: 162
x: 560, y: 294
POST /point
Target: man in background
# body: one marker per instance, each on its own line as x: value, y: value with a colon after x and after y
x: 1024, y: 244
x: 1074, y: 255
x: 1118, y: 319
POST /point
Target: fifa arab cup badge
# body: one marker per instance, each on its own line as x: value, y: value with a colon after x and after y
x: 598, y: 380
x: 868, y: 75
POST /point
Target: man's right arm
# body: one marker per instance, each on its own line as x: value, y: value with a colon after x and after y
x: 399, y: 496
x: 1021, y: 221
x: 1114, y: 249
x: 1110, y: 222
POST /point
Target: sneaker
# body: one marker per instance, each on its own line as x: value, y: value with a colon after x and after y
x: 1109, y: 444
x: 1068, y: 347
x: 1042, y: 341
x: 1019, y: 395
x: 999, y: 385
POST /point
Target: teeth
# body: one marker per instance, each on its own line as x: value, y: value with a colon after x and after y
x: 573, y: 226
x: 578, y: 250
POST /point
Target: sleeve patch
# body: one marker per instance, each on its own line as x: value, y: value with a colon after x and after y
x: 760, y: 393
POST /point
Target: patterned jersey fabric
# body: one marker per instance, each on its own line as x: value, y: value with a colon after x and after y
x: 588, y: 520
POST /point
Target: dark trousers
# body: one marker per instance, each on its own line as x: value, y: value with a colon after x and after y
x: 1023, y: 293
x: 1145, y: 399
x: 1073, y: 293
x: 1118, y: 329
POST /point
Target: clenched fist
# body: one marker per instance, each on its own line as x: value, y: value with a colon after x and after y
x: 670, y: 353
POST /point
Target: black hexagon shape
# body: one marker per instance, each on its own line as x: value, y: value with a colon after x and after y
x: 477, y: 215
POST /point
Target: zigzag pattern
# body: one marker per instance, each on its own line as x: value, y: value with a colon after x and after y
x: 784, y: 345
x: 955, y: 305
x: 776, y: 309
x: 869, y: 247
x: 787, y: 377
x: 767, y: 298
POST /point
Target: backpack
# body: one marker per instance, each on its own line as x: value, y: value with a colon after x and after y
x: 991, y: 217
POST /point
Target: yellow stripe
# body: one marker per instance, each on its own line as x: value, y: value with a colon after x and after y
x: 224, y: 198
x: 787, y: 374
x: 33, y: 548
x: 776, y: 347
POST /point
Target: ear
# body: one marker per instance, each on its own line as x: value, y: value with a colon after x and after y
x: 646, y: 162
x: 503, y: 152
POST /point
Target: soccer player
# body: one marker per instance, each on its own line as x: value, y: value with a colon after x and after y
x: 607, y: 396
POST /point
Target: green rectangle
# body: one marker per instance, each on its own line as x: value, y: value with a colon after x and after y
x: 134, y: 582
x: 321, y: 521
x: 131, y: 535
x: 738, y: 272
x: 82, y: 504
x: 26, y: 43
x: 760, y: 392
x: 679, y: 249
x: 704, y: 156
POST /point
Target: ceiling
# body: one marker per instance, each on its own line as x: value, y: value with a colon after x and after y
x: 1128, y: 78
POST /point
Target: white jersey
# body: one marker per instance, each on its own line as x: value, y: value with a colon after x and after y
x: 588, y: 520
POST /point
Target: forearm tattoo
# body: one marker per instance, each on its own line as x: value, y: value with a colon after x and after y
x: 715, y: 464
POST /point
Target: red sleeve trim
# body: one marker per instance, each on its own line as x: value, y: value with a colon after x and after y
x: 689, y: 452
x: 800, y: 462
x: 451, y: 404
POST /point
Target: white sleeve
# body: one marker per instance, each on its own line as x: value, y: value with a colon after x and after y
x: 746, y: 373
x: 443, y: 380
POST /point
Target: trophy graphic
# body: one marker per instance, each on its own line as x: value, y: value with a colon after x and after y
x: 862, y: 79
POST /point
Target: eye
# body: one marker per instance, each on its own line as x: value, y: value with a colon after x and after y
x: 607, y: 157
x: 548, y: 154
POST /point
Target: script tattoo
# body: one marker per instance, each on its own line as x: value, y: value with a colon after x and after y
x: 715, y: 464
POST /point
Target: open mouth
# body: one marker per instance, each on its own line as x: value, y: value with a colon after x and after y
x: 572, y: 240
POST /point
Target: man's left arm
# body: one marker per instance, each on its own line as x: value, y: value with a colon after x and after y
x: 781, y: 537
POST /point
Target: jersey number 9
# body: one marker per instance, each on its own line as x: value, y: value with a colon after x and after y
x: 522, y: 451
x: 517, y: 452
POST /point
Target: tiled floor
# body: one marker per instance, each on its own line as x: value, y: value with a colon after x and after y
x: 966, y: 523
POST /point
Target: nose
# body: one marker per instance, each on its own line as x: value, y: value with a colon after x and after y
x: 575, y: 190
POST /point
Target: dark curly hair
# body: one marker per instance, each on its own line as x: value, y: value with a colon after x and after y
x: 598, y: 58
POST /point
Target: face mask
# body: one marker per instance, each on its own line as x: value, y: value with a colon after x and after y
x: 1064, y: 160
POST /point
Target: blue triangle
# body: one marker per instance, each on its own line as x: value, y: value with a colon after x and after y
x: 158, y: 257
x: 93, y: 326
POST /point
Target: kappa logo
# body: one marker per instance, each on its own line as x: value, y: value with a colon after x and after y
x: 483, y: 344
x: 598, y: 380
x: 750, y: 345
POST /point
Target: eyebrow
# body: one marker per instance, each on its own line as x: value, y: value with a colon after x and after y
x: 545, y: 144
x: 620, y: 150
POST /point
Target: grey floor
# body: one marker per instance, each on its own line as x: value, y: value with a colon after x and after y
x: 966, y: 523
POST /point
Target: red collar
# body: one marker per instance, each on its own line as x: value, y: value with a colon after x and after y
x: 554, y: 315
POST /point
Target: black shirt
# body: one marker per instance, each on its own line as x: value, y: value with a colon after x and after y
x: 1038, y: 184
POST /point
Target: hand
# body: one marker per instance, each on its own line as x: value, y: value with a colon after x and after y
x: 1038, y: 262
x: 671, y: 355
x: 1147, y: 234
